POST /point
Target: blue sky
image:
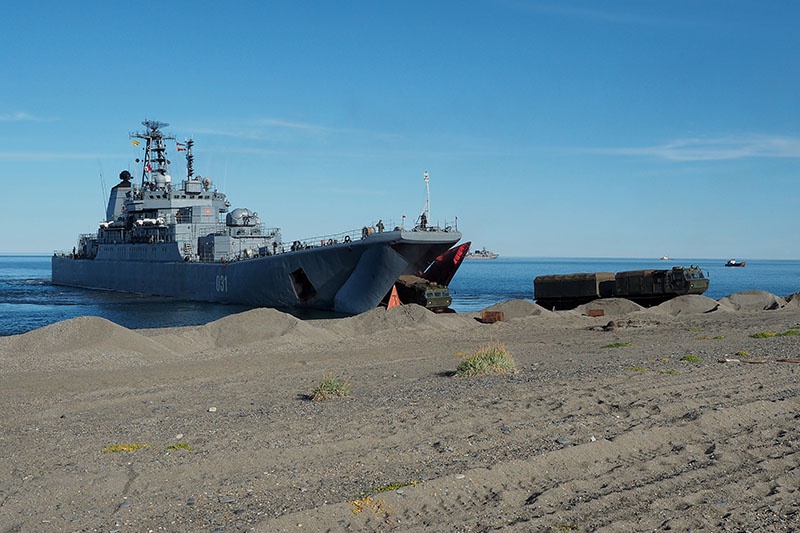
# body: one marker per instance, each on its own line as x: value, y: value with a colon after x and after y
x: 549, y: 128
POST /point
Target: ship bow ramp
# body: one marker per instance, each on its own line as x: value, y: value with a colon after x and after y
x: 376, y: 271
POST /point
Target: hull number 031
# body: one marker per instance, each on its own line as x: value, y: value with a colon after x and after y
x: 222, y: 283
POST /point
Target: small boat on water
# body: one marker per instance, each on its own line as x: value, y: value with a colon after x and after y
x: 665, y: 258
x: 483, y: 253
x: 735, y: 263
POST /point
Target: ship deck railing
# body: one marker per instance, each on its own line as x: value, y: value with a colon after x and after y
x: 364, y: 233
x: 313, y: 242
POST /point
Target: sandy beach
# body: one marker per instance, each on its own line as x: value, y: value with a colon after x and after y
x: 606, y: 425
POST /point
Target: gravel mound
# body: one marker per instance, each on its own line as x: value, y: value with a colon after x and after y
x: 87, y: 341
x: 611, y: 306
x: 402, y: 317
x: 689, y: 304
x: 262, y: 324
x: 753, y: 301
x: 793, y: 300
x: 518, y: 309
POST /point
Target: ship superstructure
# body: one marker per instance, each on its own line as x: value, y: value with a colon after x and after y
x: 158, y: 220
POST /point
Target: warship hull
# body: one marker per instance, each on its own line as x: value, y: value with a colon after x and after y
x: 347, y: 278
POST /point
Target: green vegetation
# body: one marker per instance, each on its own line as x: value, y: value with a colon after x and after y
x: 330, y: 386
x: 616, y: 345
x: 637, y: 368
x: 490, y: 359
x: 763, y: 335
x: 691, y: 358
x: 394, y: 486
x: 179, y: 446
x: 111, y: 448
x: 742, y: 353
x: 767, y: 334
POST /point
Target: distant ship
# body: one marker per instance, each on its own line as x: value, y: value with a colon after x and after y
x: 182, y: 240
x: 735, y: 263
x: 483, y: 253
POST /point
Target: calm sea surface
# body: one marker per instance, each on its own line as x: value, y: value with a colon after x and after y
x: 29, y: 301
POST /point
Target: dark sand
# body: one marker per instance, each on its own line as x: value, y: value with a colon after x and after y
x: 583, y: 437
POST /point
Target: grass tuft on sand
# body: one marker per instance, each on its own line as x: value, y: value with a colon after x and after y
x: 490, y: 359
x: 330, y: 386
x: 112, y: 448
x: 616, y: 345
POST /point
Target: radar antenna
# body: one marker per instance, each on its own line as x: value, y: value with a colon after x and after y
x: 187, y: 147
x: 155, y: 152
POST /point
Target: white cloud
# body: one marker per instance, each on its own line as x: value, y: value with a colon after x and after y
x: 21, y: 116
x: 723, y: 148
x: 48, y: 156
x: 262, y: 129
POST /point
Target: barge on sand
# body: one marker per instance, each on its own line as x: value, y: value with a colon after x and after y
x: 183, y: 241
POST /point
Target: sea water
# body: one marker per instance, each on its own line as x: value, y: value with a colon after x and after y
x: 28, y: 300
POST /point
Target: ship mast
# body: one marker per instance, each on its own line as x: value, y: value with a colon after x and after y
x: 427, y: 198
x: 155, y: 163
x: 189, y: 159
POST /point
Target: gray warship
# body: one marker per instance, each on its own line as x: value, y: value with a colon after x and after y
x: 183, y: 240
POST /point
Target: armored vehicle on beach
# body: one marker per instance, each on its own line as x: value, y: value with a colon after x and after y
x: 652, y: 287
x: 645, y: 287
x: 420, y: 291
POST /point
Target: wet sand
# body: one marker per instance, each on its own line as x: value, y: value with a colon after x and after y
x: 604, y: 427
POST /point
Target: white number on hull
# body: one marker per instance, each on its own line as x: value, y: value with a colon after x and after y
x: 222, y: 283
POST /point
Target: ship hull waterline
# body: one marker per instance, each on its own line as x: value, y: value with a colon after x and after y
x: 347, y: 278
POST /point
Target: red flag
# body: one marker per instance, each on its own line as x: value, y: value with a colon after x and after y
x: 180, y: 147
